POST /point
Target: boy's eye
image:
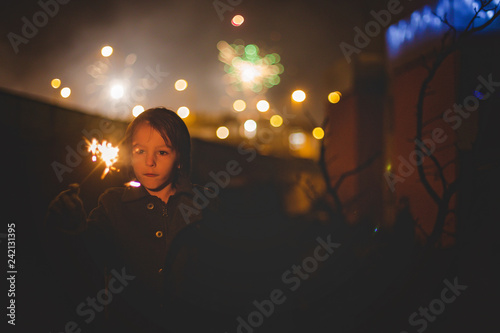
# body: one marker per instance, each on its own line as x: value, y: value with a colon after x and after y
x: 163, y: 152
x: 139, y: 151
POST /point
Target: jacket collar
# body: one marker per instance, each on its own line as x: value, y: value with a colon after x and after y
x: 183, y: 187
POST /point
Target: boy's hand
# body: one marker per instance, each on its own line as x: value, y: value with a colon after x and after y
x: 66, y: 210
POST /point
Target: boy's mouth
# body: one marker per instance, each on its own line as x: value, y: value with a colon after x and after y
x: 150, y: 174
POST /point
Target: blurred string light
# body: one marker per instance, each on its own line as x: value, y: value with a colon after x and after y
x: 137, y: 110
x: 478, y: 94
x: 334, y: 97
x: 180, y: 85
x: 117, y: 91
x: 106, y: 51
x: 425, y: 23
x: 296, y: 140
x: 276, y: 121
x: 250, y: 125
x: 237, y: 20
x: 262, y: 105
x: 250, y: 128
x: 318, y: 133
x: 115, y: 87
x: 222, y: 132
x: 65, y: 92
x: 183, y: 112
x: 55, y: 83
x: 239, y: 105
x: 247, y: 70
x: 299, y: 96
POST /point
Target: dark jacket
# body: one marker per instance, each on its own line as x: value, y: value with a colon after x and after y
x: 160, y: 259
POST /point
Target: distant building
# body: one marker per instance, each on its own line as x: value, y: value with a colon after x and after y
x: 378, y: 113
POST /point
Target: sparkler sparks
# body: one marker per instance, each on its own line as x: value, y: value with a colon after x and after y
x: 105, y: 152
x: 133, y: 183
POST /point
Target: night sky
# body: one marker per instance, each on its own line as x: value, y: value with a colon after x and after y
x: 179, y: 38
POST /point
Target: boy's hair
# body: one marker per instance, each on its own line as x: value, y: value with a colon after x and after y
x: 171, y: 128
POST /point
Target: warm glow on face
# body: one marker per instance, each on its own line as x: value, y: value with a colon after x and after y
x: 222, y: 132
x: 299, y: 96
x: 334, y: 97
x: 262, y: 105
x: 183, y: 112
x: 239, y: 105
x: 65, y: 92
x: 180, y: 85
x: 237, y: 20
x: 137, y: 110
x: 318, y: 133
x: 153, y: 159
x: 55, y: 83
x: 276, y: 120
x: 106, y: 51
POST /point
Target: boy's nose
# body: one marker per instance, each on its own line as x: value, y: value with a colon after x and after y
x: 150, y: 160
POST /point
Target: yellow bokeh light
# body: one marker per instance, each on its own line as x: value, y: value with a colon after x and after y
x: 334, y: 97
x: 180, y: 85
x: 239, y: 105
x: 318, y: 133
x: 299, y: 96
x: 388, y: 167
x: 222, y: 132
x: 106, y: 51
x: 183, y: 112
x: 262, y: 105
x: 237, y: 20
x: 55, y: 83
x: 137, y: 110
x: 65, y: 92
x: 276, y: 120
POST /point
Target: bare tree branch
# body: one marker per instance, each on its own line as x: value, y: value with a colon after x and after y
x: 357, y: 169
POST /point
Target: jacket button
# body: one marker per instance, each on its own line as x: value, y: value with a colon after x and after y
x: 150, y: 205
x: 159, y: 234
x: 160, y: 270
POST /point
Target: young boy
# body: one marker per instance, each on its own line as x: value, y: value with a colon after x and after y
x: 157, y: 258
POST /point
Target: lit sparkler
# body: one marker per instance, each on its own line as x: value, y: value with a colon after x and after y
x: 133, y: 183
x: 106, y: 152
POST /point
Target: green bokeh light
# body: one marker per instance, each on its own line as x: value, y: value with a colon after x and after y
x: 247, y: 69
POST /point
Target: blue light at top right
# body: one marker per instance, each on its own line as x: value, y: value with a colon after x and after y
x: 426, y: 24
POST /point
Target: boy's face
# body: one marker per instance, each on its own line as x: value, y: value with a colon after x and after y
x: 153, y: 160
